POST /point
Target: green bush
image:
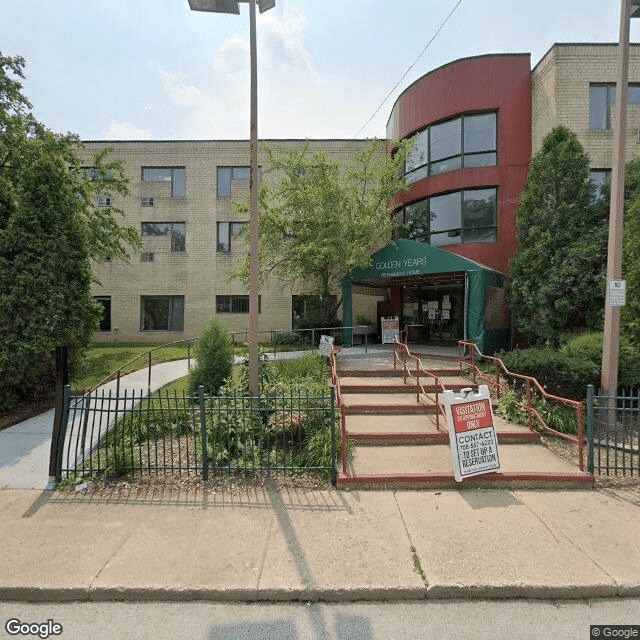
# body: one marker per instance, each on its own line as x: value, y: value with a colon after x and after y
x: 291, y: 339
x: 589, y: 347
x: 214, y: 358
x: 559, y: 373
x: 557, y: 416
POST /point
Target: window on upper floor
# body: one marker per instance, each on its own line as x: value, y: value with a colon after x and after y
x: 235, y: 304
x: 161, y: 313
x: 146, y: 201
x: 176, y: 230
x: 227, y: 231
x: 177, y: 176
x: 467, y: 141
x: 227, y: 175
x: 602, y: 97
x: 465, y: 217
x: 104, y: 201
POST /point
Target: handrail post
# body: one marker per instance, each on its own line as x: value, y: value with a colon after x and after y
x: 334, y: 478
x: 529, y: 405
x: 473, y: 364
x: 579, y: 409
x: 497, y: 378
x: 590, y: 425
x: 435, y: 384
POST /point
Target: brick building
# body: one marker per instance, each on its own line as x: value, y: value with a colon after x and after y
x: 477, y: 121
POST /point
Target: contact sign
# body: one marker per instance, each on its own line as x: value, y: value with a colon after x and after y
x: 474, y: 443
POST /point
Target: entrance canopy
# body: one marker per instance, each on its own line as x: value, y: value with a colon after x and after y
x: 409, y: 262
x: 406, y: 259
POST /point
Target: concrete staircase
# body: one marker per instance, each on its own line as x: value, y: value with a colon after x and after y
x: 399, y: 444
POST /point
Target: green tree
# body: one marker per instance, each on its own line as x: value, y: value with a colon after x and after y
x: 557, y: 274
x: 50, y: 228
x: 322, y: 221
x: 214, y: 358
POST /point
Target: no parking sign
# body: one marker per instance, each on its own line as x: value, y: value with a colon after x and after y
x: 474, y: 444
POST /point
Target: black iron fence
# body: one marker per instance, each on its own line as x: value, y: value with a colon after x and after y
x: 613, y: 433
x: 106, y: 434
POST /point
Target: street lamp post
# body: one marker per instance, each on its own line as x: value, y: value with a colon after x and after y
x: 232, y: 6
x: 611, y: 341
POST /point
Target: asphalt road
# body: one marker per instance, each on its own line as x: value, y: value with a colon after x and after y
x: 437, y: 619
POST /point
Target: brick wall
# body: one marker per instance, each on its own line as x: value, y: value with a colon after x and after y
x: 200, y: 273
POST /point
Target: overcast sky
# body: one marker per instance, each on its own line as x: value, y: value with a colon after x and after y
x: 153, y: 69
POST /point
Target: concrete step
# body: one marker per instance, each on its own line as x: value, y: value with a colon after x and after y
x: 363, y: 384
x: 390, y: 372
x: 523, y: 465
x: 420, y: 428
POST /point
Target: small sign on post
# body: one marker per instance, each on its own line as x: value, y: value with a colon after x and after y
x: 617, y: 293
x: 326, y: 345
x: 474, y: 444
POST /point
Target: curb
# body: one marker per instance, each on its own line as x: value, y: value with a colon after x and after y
x: 358, y: 594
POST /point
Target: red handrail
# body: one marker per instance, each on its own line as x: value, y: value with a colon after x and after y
x: 531, y: 410
x: 438, y: 384
x: 335, y: 381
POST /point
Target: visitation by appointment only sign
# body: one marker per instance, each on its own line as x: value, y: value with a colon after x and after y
x: 474, y: 444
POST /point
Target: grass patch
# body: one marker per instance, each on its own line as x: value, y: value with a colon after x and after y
x: 103, y: 360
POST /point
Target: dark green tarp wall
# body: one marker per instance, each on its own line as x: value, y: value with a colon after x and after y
x: 406, y: 258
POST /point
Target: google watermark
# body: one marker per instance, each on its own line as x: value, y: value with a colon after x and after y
x: 15, y: 627
x: 615, y: 631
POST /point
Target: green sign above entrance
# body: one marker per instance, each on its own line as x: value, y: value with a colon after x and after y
x: 407, y: 258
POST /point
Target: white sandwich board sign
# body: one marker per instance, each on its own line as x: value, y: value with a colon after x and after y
x: 326, y: 345
x: 474, y: 444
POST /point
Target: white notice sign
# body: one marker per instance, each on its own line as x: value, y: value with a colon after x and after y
x: 474, y: 443
x: 326, y: 345
x: 617, y: 293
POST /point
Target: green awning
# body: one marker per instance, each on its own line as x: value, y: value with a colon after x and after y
x: 406, y: 258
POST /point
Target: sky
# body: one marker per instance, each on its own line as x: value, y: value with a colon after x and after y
x: 154, y: 69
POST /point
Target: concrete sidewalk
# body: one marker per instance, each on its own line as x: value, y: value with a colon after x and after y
x: 272, y: 543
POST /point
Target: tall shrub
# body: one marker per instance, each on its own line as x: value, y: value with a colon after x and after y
x: 557, y: 281
x: 214, y: 358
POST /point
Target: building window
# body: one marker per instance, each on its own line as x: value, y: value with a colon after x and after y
x: 104, y: 201
x: 465, y: 142
x: 228, y: 175
x: 105, y: 318
x: 162, y: 313
x: 601, y: 98
x: 235, y: 304
x: 146, y: 256
x: 177, y: 231
x: 461, y: 217
x: 146, y: 201
x: 307, y: 310
x: 599, y: 177
x: 226, y: 232
x: 177, y: 176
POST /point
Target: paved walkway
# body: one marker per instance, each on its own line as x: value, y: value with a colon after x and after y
x: 25, y: 447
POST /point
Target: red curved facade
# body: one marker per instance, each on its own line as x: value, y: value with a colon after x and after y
x: 498, y: 83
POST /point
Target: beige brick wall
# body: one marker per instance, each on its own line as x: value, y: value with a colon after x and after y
x: 200, y: 273
x: 560, y: 95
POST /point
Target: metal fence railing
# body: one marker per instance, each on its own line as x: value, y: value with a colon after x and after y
x: 106, y: 434
x: 613, y: 433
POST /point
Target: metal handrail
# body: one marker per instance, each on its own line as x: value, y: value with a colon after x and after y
x: 335, y: 380
x: 528, y: 406
x: 438, y: 384
x: 117, y: 374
